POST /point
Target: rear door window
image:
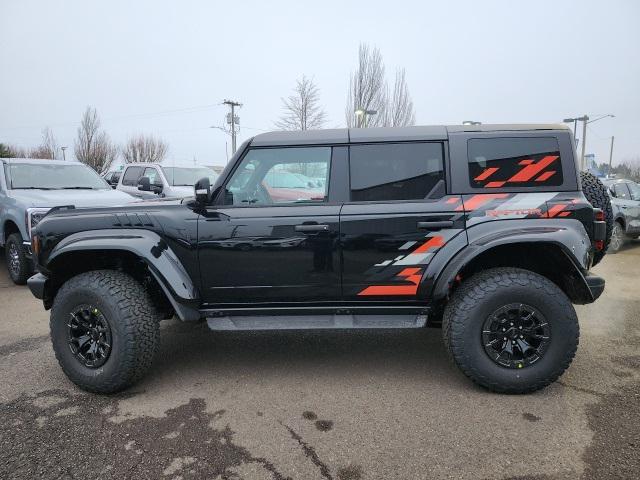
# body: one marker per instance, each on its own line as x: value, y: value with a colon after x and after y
x: 621, y: 190
x: 131, y: 176
x: 400, y: 171
x: 514, y: 162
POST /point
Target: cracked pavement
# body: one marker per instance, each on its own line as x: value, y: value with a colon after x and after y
x: 324, y: 405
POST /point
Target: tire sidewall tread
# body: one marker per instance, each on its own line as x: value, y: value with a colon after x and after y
x: 482, y: 294
x: 134, y: 325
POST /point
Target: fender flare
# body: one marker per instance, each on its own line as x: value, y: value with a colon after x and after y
x: 153, y: 250
x: 569, y: 235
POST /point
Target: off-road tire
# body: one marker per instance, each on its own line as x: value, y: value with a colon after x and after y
x: 482, y: 294
x: 597, y: 195
x: 134, y: 324
x: 25, y: 265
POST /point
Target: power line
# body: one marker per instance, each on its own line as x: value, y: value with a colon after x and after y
x: 193, y: 109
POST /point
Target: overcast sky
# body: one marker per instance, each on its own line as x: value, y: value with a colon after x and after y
x: 163, y: 67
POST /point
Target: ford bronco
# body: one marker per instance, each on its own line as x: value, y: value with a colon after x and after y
x: 487, y: 231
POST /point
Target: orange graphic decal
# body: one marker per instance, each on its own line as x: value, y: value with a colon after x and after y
x: 478, y: 200
x: 545, y: 176
x: 556, y: 209
x: 525, y: 162
x: 486, y: 173
x: 412, y: 275
x: 434, y: 242
x: 531, y: 170
x: 494, y: 184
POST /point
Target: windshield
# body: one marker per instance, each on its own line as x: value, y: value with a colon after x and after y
x: 53, y: 177
x: 188, y: 176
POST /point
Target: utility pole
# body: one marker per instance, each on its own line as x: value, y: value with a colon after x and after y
x: 610, y: 157
x: 584, y: 119
x: 64, y: 158
x: 233, y: 119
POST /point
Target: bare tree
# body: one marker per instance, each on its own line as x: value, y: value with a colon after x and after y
x: 302, y: 110
x: 367, y: 90
x: 93, y: 146
x: 144, y: 148
x: 48, y: 149
x: 399, y: 111
x: 369, y: 103
x: 12, y: 151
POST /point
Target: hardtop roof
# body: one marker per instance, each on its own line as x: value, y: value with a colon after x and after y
x: 386, y: 134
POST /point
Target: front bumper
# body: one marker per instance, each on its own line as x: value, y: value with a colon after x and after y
x: 37, y: 284
x: 595, y: 284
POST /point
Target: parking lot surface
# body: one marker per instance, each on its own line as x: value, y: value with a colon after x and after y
x: 323, y: 405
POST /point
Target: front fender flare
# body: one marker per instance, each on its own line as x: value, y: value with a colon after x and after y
x: 147, y: 245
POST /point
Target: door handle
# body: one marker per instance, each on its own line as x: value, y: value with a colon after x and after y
x: 311, y: 228
x: 435, y: 224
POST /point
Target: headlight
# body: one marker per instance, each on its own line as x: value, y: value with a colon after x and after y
x: 34, y: 215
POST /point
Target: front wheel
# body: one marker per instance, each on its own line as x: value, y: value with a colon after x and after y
x: 617, y: 238
x: 19, y: 264
x: 511, y: 330
x: 105, y: 330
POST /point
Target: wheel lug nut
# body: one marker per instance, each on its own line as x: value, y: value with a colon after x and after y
x: 521, y: 336
x: 511, y: 324
x: 520, y: 327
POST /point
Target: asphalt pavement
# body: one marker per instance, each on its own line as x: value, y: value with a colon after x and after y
x: 323, y: 405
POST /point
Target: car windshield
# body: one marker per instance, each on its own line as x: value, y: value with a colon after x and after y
x: 53, y: 177
x: 188, y: 176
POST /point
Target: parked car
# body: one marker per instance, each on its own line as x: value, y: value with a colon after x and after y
x: 29, y: 189
x: 152, y: 180
x: 625, y: 200
x: 488, y: 232
x: 112, y: 177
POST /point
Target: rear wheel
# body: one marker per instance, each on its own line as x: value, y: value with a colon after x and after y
x: 510, y: 330
x: 598, y: 197
x: 19, y: 264
x: 105, y: 330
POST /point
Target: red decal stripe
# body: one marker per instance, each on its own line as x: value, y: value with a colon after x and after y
x: 528, y: 172
x: 525, y: 162
x: 453, y: 200
x: 545, y: 176
x: 433, y: 242
x: 477, y: 201
x: 494, y: 184
x: 410, y: 274
x: 555, y: 210
x: 564, y: 214
x: 486, y: 174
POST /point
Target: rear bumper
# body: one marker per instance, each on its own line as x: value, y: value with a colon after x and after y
x: 37, y: 284
x: 595, y: 284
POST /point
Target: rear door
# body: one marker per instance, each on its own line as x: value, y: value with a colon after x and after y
x: 272, y: 236
x: 397, y: 217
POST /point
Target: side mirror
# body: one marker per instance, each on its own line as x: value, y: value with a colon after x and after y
x: 202, y: 190
x: 157, y: 188
x: 144, y: 184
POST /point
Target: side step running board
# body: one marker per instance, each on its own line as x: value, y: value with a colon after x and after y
x: 312, y: 322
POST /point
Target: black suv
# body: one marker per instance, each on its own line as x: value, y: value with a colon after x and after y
x: 487, y: 231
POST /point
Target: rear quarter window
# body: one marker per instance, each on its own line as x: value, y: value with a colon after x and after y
x: 514, y: 162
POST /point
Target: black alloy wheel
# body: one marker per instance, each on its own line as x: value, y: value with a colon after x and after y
x: 516, y: 335
x: 89, y: 336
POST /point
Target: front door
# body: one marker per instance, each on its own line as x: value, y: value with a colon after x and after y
x: 272, y: 236
x: 398, y: 217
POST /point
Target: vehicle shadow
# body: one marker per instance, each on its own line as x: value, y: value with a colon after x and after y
x: 417, y: 353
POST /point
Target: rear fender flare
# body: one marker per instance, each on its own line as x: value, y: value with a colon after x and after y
x: 567, y: 234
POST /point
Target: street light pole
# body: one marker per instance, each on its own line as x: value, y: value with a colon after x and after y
x: 584, y: 119
x: 610, y: 157
x: 64, y: 158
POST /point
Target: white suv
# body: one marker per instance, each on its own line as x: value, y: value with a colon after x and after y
x: 152, y: 180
